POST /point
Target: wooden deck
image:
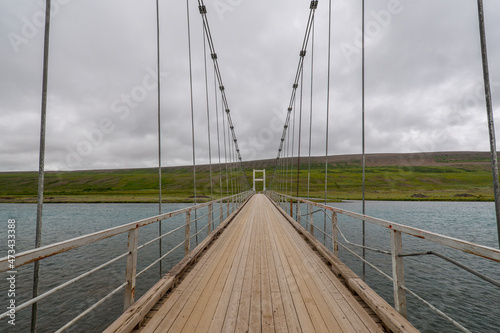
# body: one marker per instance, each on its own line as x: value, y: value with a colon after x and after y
x: 260, y: 276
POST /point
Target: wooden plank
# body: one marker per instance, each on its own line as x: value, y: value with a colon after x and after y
x: 243, y: 315
x: 228, y: 324
x: 290, y: 309
x: 182, y: 266
x: 301, y: 309
x: 130, y: 271
x: 266, y: 297
x: 389, y: 316
x: 255, y: 319
x: 169, y: 312
x: 205, y: 307
x: 351, y: 316
x: 213, y: 315
x: 279, y: 319
x: 321, y: 316
x: 398, y: 273
x: 195, y: 303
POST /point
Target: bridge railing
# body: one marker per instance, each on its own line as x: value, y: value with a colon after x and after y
x: 292, y: 206
x: 217, y: 212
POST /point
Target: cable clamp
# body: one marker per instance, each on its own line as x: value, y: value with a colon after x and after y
x: 289, y: 109
x: 295, y: 85
x: 314, y: 4
x: 221, y: 88
x: 227, y: 110
x: 302, y: 54
x: 203, y: 9
x: 214, y: 56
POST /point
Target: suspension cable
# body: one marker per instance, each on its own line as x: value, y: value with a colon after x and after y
x: 300, y: 130
x: 192, y: 117
x: 192, y: 102
x: 312, y: 9
x: 363, y: 127
x: 218, y: 135
x: 159, y: 127
x: 489, y: 112
x: 310, y: 114
x: 41, y: 163
x: 225, y: 152
x: 208, y: 113
x: 203, y: 11
x: 328, y: 103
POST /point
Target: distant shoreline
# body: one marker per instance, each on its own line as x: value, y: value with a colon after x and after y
x: 435, y: 176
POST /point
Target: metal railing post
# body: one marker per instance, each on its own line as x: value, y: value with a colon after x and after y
x: 398, y: 273
x: 187, y: 234
x: 130, y: 273
x: 299, y: 219
x: 221, y: 213
x: 335, y: 239
x: 209, y: 228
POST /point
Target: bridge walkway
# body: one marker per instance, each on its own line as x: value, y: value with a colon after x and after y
x: 260, y: 275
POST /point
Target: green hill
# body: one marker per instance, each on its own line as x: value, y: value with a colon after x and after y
x: 422, y: 176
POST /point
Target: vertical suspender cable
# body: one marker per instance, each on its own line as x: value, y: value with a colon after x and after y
x: 328, y: 101
x: 300, y: 136
x: 225, y: 151
x: 218, y: 135
x: 159, y: 126
x: 310, y: 114
x: 230, y: 148
x: 489, y: 110
x: 363, y: 127
x: 41, y: 164
x: 208, y: 114
x: 293, y: 146
x: 192, y: 114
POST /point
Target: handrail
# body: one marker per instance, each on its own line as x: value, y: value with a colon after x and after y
x: 49, y: 250
x: 26, y: 257
x: 458, y: 244
x: 396, y: 252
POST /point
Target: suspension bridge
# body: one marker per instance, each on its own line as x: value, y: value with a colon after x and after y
x: 253, y: 260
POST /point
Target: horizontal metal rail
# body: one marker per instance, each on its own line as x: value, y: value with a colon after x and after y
x: 396, y: 250
x: 455, y: 243
x: 62, y: 286
x: 46, y: 251
x: 159, y: 259
x: 456, y: 263
x: 432, y: 307
x: 132, y: 230
x: 90, y: 309
x: 157, y: 238
x: 361, y: 246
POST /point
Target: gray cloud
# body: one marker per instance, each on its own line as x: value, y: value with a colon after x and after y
x: 423, y: 79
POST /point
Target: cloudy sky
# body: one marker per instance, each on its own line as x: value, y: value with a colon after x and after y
x: 423, y: 78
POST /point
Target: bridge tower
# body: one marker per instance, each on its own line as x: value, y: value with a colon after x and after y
x: 263, y: 179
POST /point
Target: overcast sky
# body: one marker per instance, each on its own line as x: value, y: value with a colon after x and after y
x: 424, y: 88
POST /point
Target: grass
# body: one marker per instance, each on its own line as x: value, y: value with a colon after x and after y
x: 462, y: 178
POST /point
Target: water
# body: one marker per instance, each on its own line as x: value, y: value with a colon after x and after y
x: 469, y: 300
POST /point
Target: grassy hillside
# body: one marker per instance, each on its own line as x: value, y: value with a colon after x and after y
x: 425, y: 176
